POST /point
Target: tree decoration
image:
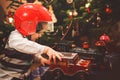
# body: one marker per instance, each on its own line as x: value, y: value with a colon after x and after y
x: 87, y: 6
x: 69, y: 1
x: 75, y: 13
x: 70, y: 15
x: 105, y: 38
x: 100, y: 43
x: 108, y: 10
x: 85, y: 45
x: 88, y: 10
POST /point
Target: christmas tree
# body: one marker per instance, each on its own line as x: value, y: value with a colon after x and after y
x: 79, y: 18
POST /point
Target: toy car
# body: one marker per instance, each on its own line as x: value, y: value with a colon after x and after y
x: 71, y: 64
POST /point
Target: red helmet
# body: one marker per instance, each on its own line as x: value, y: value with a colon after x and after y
x: 28, y: 15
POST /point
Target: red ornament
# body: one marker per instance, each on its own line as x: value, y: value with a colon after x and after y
x: 88, y: 9
x: 108, y: 10
x: 71, y: 17
x: 100, y: 43
x: 85, y: 45
x: 105, y: 38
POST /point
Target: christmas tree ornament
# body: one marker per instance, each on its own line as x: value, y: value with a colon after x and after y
x: 108, y: 10
x: 69, y: 1
x: 88, y: 10
x: 98, y: 18
x: 70, y: 14
x: 85, y: 45
x: 87, y: 5
x: 105, y: 38
x: 87, y: 20
x: 100, y: 43
x: 75, y: 13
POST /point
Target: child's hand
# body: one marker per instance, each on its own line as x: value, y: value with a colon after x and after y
x: 53, y: 55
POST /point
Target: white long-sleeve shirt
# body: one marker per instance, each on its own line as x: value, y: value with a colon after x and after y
x: 18, y: 42
x: 22, y: 44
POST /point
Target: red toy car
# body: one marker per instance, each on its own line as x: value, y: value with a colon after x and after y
x: 71, y: 64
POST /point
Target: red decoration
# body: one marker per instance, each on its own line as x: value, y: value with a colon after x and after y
x: 108, y: 10
x: 88, y: 9
x: 85, y: 45
x: 71, y: 17
x: 100, y: 43
x: 105, y: 38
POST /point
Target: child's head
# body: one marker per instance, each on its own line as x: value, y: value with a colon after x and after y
x: 30, y: 17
